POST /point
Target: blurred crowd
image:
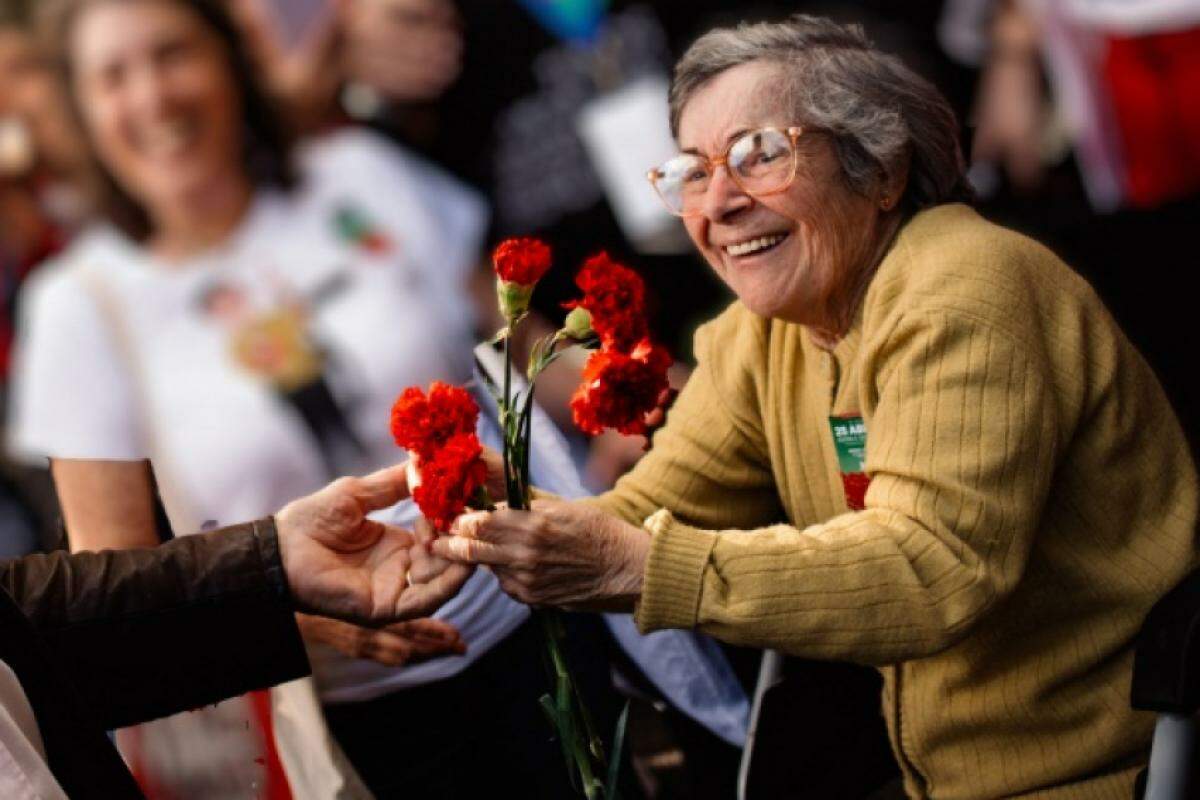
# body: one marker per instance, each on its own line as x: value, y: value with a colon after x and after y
x: 232, y: 230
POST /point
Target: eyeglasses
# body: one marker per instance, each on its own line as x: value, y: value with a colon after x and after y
x: 761, y: 162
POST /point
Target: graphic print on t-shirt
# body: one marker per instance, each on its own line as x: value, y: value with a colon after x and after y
x: 276, y: 345
x: 272, y: 344
x: 353, y: 226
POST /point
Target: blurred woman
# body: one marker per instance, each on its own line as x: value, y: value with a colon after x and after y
x: 244, y: 326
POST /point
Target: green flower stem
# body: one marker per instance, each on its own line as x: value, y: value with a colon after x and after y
x: 582, y: 748
x: 506, y: 415
x: 570, y: 704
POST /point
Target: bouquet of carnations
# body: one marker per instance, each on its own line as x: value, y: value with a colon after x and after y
x: 624, y: 385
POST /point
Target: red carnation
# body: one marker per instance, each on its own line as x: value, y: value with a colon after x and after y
x: 616, y: 298
x: 521, y: 261
x: 423, y: 424
x: 620, y: 389
x: 449, y: 479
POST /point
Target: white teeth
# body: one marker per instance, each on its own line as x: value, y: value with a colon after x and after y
x: 753, y: 246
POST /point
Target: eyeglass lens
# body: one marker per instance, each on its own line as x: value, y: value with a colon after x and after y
x: 761, y: 162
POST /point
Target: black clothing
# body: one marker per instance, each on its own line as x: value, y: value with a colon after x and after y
x: 109, y: 639
x: 415, y: 742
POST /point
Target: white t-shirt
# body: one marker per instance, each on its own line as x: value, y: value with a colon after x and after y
x: 24, y: 774
x: 361, y: 269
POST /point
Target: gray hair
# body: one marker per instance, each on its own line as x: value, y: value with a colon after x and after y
x: 882, y: 115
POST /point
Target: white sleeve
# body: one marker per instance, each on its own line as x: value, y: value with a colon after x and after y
x: 452, y: 251
x: 460, y: 216
x: 71, y: 394
x: 441, y: 220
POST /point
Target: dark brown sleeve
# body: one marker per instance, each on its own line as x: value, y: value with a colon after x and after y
x: 146, y: 633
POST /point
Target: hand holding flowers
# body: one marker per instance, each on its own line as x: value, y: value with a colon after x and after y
x: 547, y: 556
x: 561, y: 554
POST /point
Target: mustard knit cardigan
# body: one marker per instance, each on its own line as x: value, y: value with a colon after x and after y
x: 1031, y: 496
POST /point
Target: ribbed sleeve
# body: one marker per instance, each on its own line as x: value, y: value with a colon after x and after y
x: 678, y: 558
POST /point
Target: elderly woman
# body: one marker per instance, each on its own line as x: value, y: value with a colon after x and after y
x: 916, y: 441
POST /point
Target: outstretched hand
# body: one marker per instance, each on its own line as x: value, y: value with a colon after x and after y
x: 399, y: 643
x: 341, y: 564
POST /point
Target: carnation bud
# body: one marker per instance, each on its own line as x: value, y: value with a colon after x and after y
x: 514, y: 298
x: 579, y: 323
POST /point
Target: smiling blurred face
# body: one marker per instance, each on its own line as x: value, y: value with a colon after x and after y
x: 798, y: 255
x: 158, y: 99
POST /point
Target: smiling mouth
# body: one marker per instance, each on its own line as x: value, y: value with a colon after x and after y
x: 755, y: 246
x: 167, y: 139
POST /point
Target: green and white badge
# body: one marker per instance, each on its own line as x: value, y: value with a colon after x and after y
x: 850, y: 442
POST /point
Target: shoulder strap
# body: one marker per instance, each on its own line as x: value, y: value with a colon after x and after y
x: 178, y: 511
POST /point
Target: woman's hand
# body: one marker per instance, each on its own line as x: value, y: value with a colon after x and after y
x: 341, y: 563
x: 304, y: 76
x: 426, y: 566
x: 1010, y: 119
x: 560, y: 553
x: 408, y: 50
x: 399, y: 643
x: 396, y: 645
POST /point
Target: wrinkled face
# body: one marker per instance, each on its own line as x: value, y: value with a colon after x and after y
x: 793, y: 255
x: 158, y: 99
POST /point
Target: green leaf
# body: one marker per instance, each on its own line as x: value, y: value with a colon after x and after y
x: 576, y: 757
x: 554, y: 357
x: 543, y: 355
x: 568, y: 757
x: 571, y: 717
x: 618, y: 750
